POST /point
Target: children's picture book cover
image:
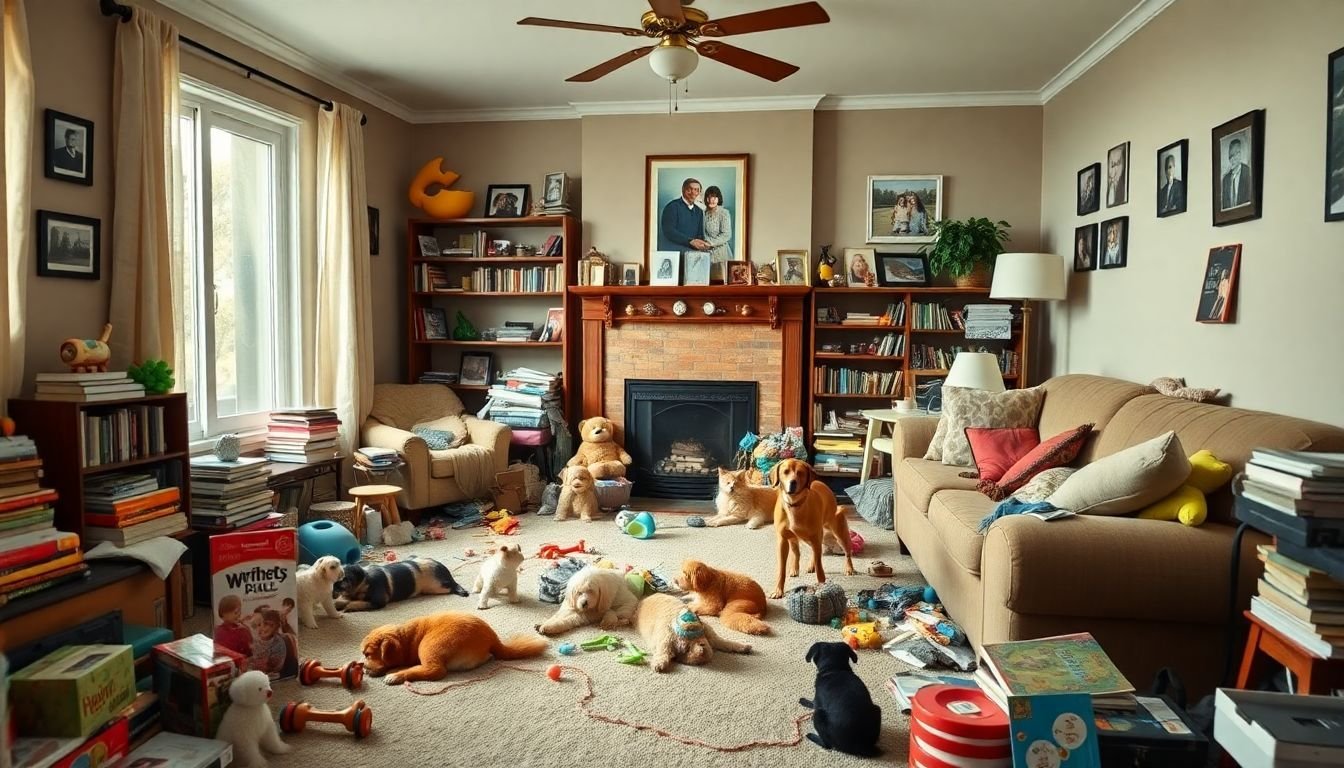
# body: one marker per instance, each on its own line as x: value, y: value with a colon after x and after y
x: 253, y: 590
x: 1064, y: 664
x: 1053, y: 730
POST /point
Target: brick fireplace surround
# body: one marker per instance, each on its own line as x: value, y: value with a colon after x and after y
x: 757, y: 337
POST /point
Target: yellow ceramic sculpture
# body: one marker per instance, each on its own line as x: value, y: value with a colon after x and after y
x: 445, y: 203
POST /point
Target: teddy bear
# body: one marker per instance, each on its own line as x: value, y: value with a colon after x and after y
x: 599, y: 452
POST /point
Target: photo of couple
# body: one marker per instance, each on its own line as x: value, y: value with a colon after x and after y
x: 696, y: 206
x: 903, y: 209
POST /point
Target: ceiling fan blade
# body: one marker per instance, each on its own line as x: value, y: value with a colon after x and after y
x: 761, y: 66
x: 532, y: 21
x: 610, y: 65
x: 799, y: 15
x: 668, y: 9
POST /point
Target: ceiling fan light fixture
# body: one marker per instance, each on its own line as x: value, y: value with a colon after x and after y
x: 674, y: 62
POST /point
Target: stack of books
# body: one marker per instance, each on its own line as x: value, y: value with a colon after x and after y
x: 378, y: 458
x: 931, y: 317
x: 519, y: 332
x: 862, y: 318
x: 1298, y: 497
x: 989, y: 321
x: 127, y: 508
x: 302, y: 435
x: 112, y: 435
x: 1064, y: 664
x: 438, y: 377
x: 33, y: 555
x: 523, y: 398
x: 87, y: 387
x: 831, y: 423
x: 837, y: 451
x: 228, y: 495
x: 1304, y: 604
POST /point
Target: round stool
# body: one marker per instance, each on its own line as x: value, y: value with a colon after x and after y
x: 342, y: 512
x: 382, y: 498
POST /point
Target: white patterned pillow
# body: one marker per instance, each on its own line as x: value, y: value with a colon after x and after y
x: 1043, y: 484
x: 935, y: 450
x: 964, y: 408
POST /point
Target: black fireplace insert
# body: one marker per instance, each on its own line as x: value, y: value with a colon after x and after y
x: 680, y: 432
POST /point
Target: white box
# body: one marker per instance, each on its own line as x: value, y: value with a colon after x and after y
x: 1253, y: 745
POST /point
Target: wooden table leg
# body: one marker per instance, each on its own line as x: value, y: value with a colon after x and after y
x: 359, y: 519
x: 393, y: 513
x: 1252, y: 662
x: 874, y: 429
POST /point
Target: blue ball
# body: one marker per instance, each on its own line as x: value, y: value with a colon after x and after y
x: 930, y: 596
x: 695, y: 521
x: 325, y: 537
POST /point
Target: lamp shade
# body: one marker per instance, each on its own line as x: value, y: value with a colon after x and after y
x: 1036, y: 276
x: 673, y: 62
x: 975, y: 370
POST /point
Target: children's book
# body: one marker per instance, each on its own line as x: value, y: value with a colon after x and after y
x: 1053, y: 731
x: 253, y: 589
x: 1064, y: 664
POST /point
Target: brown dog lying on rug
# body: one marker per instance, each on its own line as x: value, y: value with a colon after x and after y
x: 672, y: 633
x: 806, y: 510
x: 430, y: 647
x: 735, y: 598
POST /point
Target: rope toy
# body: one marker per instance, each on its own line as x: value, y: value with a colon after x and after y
x: 584, y: 705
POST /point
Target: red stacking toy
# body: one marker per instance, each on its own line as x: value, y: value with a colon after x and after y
x: 956, y: 727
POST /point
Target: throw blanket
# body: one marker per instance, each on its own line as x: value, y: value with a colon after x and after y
x: 159, y: 553
x: 1011, y: 506
x: 473, y: 469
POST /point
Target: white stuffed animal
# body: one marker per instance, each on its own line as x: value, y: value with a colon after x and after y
x: 247, y: 723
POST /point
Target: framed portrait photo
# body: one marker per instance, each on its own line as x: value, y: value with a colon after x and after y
x: 477, y: 368
x: 695, y: 267
x: 69, y: 148
x: 630, y: 273
x: 860, y: 269
x: 507, y: 200
x: 738, y: 272
x: 902, y: 209
x: 1219, y: 291
x: 68, y: 245
x: 555, y: 190
x: 1114, y: 243
x: 697, y: 203
x: 1172, y: 162
x: 1085, y: 248
x: 555, y: 325
x: 902, y: 269
x: 1117, y: 175
x: 1238, y: 168
x: 1089, y: 189
x: 1334, y: 139
x: 665, y: 268
x: 792, y: 267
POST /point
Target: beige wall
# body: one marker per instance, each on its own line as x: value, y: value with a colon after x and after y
x: 1198, y: 64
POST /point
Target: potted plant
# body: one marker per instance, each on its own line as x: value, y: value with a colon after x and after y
x: 965, y: 250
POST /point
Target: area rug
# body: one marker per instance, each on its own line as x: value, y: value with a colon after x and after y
x: 523, y: 719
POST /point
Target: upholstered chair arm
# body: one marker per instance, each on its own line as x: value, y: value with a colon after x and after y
x: 910, y: 437
x: 492, y: 435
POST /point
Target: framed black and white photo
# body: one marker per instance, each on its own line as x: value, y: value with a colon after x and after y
x: 1172, y: 163
x: 1085, y: 248
x: 1238, y: 168
x: 506, y: 200
x: 900, y: 269
x: 69, y: 148
x: 1219, y: 290
x: 630, y: 273
x: 1117, y: 175
x: 792, y: 267
x: 902, y: 209
x: 555, y: 190
x: 429, y: 246
x: 1089, y: 189
x: 68, y: 245
x: 477, y: 368
x: 1334, y: 138
x: 665, y: 268
x: 1115, y: 243
x: 374, y: 231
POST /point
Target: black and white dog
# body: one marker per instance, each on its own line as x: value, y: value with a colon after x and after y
x: 368, y: 588
x: 845, y: 716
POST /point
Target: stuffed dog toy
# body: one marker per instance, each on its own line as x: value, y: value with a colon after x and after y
x: 247, y: 723
x: 368, y: 588
x: 844, y: 716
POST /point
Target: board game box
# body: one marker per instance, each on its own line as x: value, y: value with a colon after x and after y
x: 191, y: 678
x: 73, y: 691
x: 253, y: 589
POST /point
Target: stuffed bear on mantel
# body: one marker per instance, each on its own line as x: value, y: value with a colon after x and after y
x: 599, y: 452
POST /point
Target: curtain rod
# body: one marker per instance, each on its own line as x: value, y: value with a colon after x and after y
x: 113, y: 8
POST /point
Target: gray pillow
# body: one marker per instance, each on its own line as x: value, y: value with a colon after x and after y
x: 1127, y: 480
x: 873, y: 501
x: 436, y: 439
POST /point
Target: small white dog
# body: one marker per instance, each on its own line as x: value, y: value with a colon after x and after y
x: 315, y: 588
x: 247, y: 723
x: 499, y: 574
x: 593, y: 596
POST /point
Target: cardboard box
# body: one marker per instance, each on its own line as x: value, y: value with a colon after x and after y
x: 73, y: 691
x: 191, y: 677
x: 510, y: 490
x: 171, y: 749
x: 102, y: 748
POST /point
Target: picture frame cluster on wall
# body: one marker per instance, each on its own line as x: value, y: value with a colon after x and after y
x: 68, y: 245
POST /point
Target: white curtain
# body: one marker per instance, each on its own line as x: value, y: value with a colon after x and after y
x: 147, y: 301
x: 16, y: 236
x: 343, y: 368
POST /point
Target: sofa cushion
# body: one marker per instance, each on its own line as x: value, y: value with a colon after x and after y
x: 995, y: 450
x: 1043, y: 484
x: 919, y: 479
x: 935, y: 450
x: 440, y: 465
x: 1058, y: 451
x: 1081, y: 398
x: 956, y: 515
x: 1126, y: 481
x: 964, y: 408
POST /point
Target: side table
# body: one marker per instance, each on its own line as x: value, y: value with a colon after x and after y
x: 874, y: 440
x: 382, y: 498
x: 1265, y: 644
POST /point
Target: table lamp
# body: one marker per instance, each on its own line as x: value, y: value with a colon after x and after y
x: 1028, y: 277
x: 975, y: 370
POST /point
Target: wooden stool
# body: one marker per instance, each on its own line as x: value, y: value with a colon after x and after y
x: 382, y: 498
x: 1265, y: 644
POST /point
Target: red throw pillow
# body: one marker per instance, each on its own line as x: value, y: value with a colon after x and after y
x: 1058, y: 451
x: 995, y: 449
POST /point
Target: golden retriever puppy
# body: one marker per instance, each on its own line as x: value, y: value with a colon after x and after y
x: 672, y: 632
x: 431, y: 646
x: 735, y: 598
x: 739, y: 501
x: 593, y: 596
x: 577, y: 494
x: 806, y: 510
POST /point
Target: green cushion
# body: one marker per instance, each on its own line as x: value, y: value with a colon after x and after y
x: 436, y: 439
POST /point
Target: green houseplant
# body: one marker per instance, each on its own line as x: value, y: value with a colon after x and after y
x: 965, y: 250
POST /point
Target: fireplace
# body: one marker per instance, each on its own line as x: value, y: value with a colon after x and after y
x: 680, y: 432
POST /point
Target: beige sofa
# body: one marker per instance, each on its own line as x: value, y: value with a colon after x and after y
x: 1153, y: 593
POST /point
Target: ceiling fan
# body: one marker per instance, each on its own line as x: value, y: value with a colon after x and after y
x: 678, y: 27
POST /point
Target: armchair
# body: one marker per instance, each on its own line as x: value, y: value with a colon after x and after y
x: 434, y: 477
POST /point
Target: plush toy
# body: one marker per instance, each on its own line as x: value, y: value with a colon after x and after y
x: 1188, y: 503
x: 863, y: 635
x: 247, y: 723
x: 577, y: 495
x: 599, y: 451
x: 1172, y: 387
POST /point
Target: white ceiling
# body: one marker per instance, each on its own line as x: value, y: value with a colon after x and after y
x: 433, y: 60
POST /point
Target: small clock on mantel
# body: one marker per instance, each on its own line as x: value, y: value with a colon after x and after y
x: 679, y: 308
x: 710, y: 308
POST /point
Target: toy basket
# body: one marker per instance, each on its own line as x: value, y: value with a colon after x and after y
x: 816, y: 605
x: 342, y: 512
x: 613, y: 494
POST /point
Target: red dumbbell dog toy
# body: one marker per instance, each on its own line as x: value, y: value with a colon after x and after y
x: 351, y: 675
x: 357, y: 718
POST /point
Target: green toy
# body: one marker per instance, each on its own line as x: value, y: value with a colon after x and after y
x: 632, y: 655
x: 603, y: 643
x: 154, y: 374
x: 464, y: 330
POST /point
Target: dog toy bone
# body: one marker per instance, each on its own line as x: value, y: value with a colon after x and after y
x: 631, y: 655
x: 555, y: 551
x: 351, y: 675
x: 357, y: 718
x: 603, y: 643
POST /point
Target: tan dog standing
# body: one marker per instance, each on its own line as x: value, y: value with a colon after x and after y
x: 805, y: 510
x: 578, y: 493
x: 735, y: 598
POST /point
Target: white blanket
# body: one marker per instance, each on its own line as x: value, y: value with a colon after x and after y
x: 160, y: 553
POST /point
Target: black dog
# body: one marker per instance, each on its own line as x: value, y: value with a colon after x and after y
x: 846, y: 717
x: 364, y: 588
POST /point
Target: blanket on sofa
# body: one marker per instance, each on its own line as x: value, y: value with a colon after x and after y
x: 473, y: 469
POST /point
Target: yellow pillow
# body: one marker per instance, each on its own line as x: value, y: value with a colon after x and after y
x: 1187, y: 503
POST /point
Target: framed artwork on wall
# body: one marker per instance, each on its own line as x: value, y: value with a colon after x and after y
x: 1238, y: 168
x: 506, y: 200
x: 1172, y: 162
x: 902, y: 269
x: 1117, y: 175
x: 1115, y: 243
x: 1218, y: 293
x: 1089, y: 186
x: 68, y: 245
x: 697, y: 203
x: 902, y: 209
x: 1334, y: 139
x: 1085, y: 248
x: 69, y: 148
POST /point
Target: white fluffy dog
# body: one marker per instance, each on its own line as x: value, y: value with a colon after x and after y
x: 499, y: 574
x: 247, y: 723
x: 593, y: 596
x: 315, y: 588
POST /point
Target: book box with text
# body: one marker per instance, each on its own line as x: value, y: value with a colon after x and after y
x: 253, y: 589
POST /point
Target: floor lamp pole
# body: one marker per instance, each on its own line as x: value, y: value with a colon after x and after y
x: 1023, y: 364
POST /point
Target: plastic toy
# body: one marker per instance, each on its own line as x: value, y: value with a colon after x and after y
x: 631, y: 655
x: 357, y: 718
x: 568, y: 649
x: 351, y: 675
x: 641, y: 526
x: 930, y: 596
x: 603, y: 643
x: 505, y: 525
x: 864, y: 635
x: 445, y: 203
x: 555, y: 551
x: 324, y: 537
x: 87, y: 355
x: 553, y: 672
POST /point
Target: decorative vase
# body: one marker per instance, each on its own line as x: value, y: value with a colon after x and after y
x: 977, y: 278
x: 228, y: 447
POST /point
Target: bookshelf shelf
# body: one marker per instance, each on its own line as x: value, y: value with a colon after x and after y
x: 862, y: 358
x: 469, y: 387
x: 834, y: 473
x: 121, y: 465
x: 473, y: 294
x: 847, y: 395
x: 523, y: 344
x: 913, y: 290
x: 869, y: 328
x: 944, y: 372
x: 488, y: 260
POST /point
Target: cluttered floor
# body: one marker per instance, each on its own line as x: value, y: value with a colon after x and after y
x: 739, y: 710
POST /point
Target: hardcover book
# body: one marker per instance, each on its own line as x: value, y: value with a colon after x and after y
x: 1053, y: 730
x: 253, y: 591
x: 1063, y: 664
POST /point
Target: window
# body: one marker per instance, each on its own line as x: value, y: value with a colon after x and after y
x: 240, y: 249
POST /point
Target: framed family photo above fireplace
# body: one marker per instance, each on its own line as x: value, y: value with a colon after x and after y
x: 696, y: 203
